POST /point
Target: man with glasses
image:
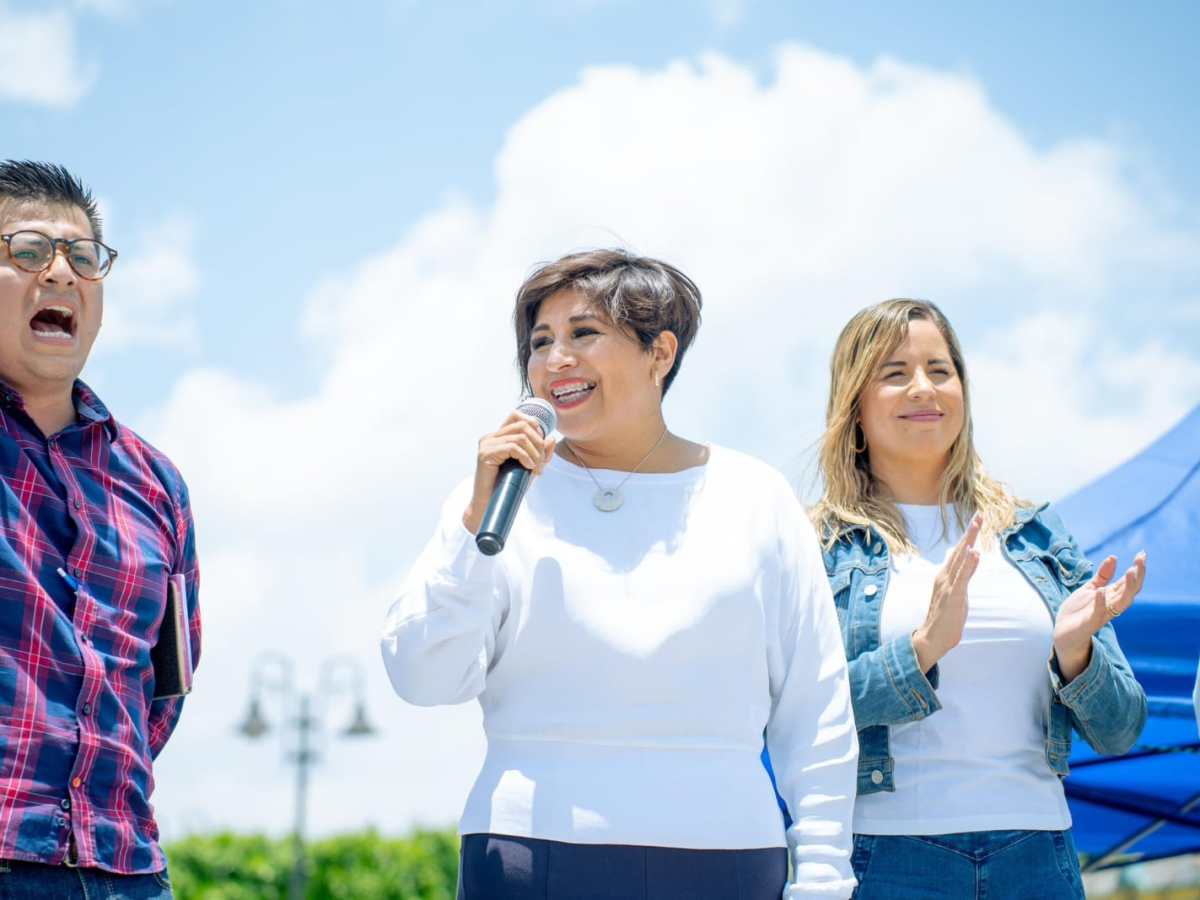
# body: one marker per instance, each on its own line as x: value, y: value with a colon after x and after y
x: 96, y: 543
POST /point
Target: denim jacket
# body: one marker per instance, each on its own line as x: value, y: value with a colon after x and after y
x: 1104, y: 702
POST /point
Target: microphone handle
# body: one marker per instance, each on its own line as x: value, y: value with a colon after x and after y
x: 511, y: 483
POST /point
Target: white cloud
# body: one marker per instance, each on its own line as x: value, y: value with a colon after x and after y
x: 1083, y: 400
x: 115, y: 9
x: 728, y: 13
x: 39, y: 62
x: 147, y: 294
x: 793, y: 203
x: 725, y: 14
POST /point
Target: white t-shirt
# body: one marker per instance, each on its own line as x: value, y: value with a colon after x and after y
x: 628, y: 663
x: 978, y: 763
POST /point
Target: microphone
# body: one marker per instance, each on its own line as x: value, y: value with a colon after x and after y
x: 511, y: 484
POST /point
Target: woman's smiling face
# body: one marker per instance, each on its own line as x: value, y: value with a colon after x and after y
x: 913, y: 408
x: 596, y: 375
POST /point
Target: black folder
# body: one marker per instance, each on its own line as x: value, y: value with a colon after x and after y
x: 171, y: 655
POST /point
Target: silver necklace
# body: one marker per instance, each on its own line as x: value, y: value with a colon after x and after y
x: 610, y: 499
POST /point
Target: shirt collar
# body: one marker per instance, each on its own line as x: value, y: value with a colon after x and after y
x: 1025, y: 515
x: 9, y: 396
x: 89, y: 408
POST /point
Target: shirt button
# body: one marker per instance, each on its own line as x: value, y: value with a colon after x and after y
x: 78, y: 504
x: 78, y: 573
x: 870, y: 590
x: 876, y: 777
x: 76, y: 782
x: 878, y: 548
x: 65, y: 802
x: 87, y: 709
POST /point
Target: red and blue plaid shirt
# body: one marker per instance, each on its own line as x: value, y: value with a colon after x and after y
x: 78, y: 725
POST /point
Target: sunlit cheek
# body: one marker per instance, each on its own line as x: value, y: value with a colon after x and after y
x: 956, y: 426
x: 533, y: 373
x: 876, y: 411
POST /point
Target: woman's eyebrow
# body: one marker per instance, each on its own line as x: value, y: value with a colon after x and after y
x: 582, y: 317
x: 900, y: 364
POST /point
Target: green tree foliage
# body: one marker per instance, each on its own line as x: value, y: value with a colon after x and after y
x: 365, y: 866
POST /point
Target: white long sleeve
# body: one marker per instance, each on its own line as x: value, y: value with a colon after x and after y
x: 439, y: 638
x: 628, y: 665
x: 811, y: 734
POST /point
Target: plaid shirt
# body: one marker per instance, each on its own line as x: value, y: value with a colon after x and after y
x: 78, y: 727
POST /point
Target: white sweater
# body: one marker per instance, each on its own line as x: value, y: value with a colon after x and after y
x: 628, y: 663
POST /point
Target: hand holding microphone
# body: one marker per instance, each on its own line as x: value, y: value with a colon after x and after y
x: 508, y: 458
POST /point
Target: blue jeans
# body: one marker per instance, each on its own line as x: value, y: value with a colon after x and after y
x: 973, y: 865
x: 34, y: 881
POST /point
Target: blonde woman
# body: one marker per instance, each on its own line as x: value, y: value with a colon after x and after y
x: 978, y: 635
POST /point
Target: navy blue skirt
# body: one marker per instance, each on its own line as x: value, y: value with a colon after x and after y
x: 499, y: 867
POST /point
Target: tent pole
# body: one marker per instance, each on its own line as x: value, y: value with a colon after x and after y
x: 1106, y: 856
x: 1133, y: 807
x: 1145, y: 752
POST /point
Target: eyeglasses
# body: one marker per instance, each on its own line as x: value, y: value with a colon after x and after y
x: 33, y: 251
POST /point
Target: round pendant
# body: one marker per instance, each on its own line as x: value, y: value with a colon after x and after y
x: 608, y: 499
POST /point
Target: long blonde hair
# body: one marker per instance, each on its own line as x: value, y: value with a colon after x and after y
x: 852, y: 495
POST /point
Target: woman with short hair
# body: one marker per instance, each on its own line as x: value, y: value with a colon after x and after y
x: 978, y: 634
x: 658, y: 604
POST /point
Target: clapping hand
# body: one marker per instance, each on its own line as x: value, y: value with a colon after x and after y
x: 1090, y: 608
x: 943, y: 626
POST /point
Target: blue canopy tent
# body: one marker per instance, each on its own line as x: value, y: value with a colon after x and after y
x: 1146, y: 804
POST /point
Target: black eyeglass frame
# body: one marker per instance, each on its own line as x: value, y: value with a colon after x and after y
x: 54, y: 245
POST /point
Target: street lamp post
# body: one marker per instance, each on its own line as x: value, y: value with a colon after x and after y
x: 272, y: 673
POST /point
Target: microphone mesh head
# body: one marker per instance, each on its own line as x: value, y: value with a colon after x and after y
x: 540, y: 410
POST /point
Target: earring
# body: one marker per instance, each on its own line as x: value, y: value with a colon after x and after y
x: 854, y: 448
x: 657, y: 379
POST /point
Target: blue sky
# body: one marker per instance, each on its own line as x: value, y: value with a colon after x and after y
x: 319, y: 133
x: 323, y: 212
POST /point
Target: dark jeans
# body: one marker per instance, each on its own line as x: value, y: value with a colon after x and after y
x: 498, y: 867
x: 34, y: 881
x: 996, y: 865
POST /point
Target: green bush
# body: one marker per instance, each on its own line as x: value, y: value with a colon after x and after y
x: 365, y: 866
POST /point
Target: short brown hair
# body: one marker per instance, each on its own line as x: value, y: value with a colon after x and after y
x: 640, y: 295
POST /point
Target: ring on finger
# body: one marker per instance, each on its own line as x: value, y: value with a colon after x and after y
x: 1112, y: 613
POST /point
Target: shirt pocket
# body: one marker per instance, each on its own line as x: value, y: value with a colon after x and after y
x: 1067, y: 565
x: 130, y: 607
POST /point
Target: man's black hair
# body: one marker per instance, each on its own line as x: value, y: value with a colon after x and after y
x: 25, y: 181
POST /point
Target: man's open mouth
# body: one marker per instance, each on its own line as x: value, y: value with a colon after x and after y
x: 54, y: 322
